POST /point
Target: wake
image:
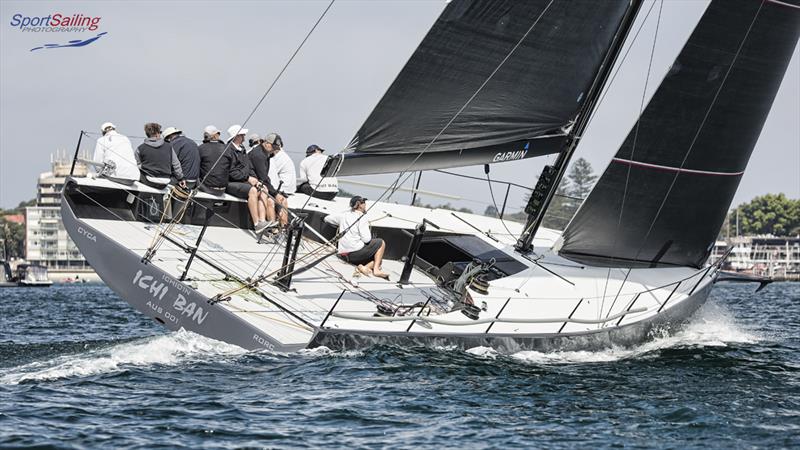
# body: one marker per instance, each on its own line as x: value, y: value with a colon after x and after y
x: 171, y: 349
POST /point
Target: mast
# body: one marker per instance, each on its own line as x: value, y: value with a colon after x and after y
x: 551, y: 176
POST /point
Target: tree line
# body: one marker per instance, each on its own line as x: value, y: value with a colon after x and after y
x: 773, y: 214
x: 12, y: 233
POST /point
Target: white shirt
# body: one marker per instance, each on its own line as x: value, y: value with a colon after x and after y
x: 356, y: 236
x: 281, y: 168
x: 116, y: 148
x: 311, y: 170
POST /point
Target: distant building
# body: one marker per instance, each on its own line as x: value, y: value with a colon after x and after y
x: 47, y: 242
x: 777, y: 257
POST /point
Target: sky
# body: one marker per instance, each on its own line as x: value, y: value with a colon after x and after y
x: 190, y: 64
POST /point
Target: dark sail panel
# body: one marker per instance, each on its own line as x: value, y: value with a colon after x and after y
x: 373, y: 163
x: 663, y: 201
x: 537, y: 90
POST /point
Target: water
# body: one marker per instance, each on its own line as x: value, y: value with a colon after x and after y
x: 79, y: 368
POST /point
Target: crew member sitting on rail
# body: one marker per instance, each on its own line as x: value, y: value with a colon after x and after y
x: 215, y: 162
x: 157, y: 161
x: 186, y: 150
x: 356, y: 244
x: 242, y: 183
x: 281, y: 168
x: 115, y: 152
x: 310, y: 181
x: 276, y: 202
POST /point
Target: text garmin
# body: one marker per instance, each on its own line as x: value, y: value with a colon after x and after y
x: 509, y: 156
x: 56, y: 22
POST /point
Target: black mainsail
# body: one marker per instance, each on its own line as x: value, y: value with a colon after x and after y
x: 539, y: 56
x: 664, y: 196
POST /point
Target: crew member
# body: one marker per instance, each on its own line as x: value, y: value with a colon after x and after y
x: 115, y: 152
x: 157, y: 161
x: 242, y: 183
x: 277, y: 204
x: 356, y: 244
x: 281, y: 167
x: 215, y: 162
x: 187, y: 153
x: 310, y: 180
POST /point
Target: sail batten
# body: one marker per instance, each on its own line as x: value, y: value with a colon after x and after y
x: 664, y: 196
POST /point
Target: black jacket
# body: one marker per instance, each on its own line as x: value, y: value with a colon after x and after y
x: 211, y: 153
x: 240, y: 165
x: 259, y: 161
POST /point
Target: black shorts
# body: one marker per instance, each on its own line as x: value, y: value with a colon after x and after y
x: 365, y: 254
x: 307, y: 189
x: 239, y: 189
x: 212, y: 190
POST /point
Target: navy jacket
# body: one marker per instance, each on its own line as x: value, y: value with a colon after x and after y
x: 188, y: 155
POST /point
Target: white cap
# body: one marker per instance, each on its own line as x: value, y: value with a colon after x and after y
x: 106, y: 126
x: 170, y: 130
x: 236, y: 130
x: 211, y: 130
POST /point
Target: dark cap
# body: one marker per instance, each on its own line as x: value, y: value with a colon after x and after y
x: 313, y: 148
x: 356, y: 200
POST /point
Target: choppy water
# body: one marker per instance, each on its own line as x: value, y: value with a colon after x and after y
x: 79, y: 368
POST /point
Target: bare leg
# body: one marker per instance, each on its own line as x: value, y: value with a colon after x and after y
x: 261, y: 208
x: 378, y: 260
x: 269, y: 208
x: 284, y: 214
x: 252, y: 204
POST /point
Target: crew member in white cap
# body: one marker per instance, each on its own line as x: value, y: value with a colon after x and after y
x: 215, y: 162
x: 116, y: 153
x: 187, y: 153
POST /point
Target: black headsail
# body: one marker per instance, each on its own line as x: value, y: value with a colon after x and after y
x: 536, y: 84
x: 664, y: 196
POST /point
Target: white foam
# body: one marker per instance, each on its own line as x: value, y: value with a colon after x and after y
x: 169, y: 349
x: 713, y: 326
x: 325, y: 351
x: 483, y: 352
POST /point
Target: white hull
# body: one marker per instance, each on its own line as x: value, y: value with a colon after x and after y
x: 582, y: 307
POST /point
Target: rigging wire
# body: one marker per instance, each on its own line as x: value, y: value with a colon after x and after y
x: 491, y: 193
x: 699, y: 130
x: 633, y: 151
x: 397, y: 182
x: 272, y: 85
x: 252, y: 112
